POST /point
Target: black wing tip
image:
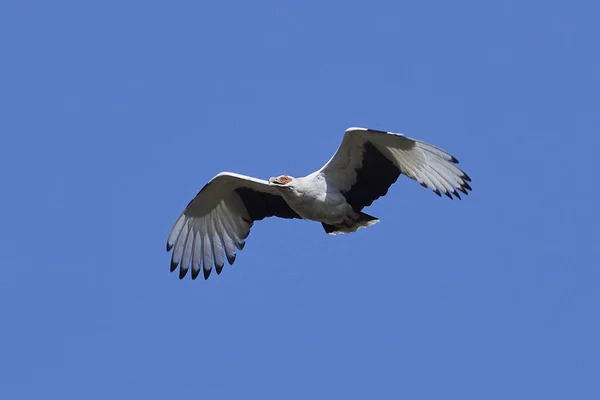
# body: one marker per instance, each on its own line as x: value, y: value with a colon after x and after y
x: 219, y: 268
x: 465, y: 187
x: 448, y: 194
x: 173, y: 266
x: 231, y: 259
x: 206, y: 273
x: 436, y: 191
x: 169, y: 247
x: 182, y: 272
x: 195, y: 273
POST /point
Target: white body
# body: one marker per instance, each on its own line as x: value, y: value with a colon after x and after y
x: 314, y: 200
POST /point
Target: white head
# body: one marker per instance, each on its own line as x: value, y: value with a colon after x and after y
x: 282, y: 181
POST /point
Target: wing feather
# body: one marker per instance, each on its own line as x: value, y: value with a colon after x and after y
x: 442, y: 183
x: 217, y: 247
x: 187, y: 254
x: 196, y: 263
x: 218, y: 220
x: 226, y: 224
x: 175, y: 231
x: 180, y: 243
x: 226, y: 239
x: 207, y: 256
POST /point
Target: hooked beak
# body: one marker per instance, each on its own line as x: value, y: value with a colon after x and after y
x: 273, y: 181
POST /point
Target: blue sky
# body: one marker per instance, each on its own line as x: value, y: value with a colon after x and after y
x: 114, y: 115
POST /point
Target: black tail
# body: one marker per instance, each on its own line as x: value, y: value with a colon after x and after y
x: 363, y: 220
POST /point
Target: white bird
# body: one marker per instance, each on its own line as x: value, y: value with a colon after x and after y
x: 218, y: 220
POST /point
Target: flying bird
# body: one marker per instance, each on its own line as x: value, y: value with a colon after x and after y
x: 217, y: 221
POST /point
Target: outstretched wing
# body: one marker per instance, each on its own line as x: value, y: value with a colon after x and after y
x: 368, y: 162
x: 218, y: 220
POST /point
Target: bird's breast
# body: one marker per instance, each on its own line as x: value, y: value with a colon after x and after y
x: 323, y: 207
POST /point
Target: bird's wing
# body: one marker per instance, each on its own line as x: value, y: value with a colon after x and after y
x: 368, y: 162
x: 218, y: 220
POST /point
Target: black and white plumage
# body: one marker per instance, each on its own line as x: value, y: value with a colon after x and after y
x: 217, y: 221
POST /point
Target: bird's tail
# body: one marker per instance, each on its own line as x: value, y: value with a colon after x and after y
x: 362, y: 221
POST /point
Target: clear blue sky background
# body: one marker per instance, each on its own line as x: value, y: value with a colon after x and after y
x: 114, y: 115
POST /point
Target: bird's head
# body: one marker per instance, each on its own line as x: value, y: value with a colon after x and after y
x: 282, y: 181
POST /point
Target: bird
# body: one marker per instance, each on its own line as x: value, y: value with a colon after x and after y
x: 217, y: 221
